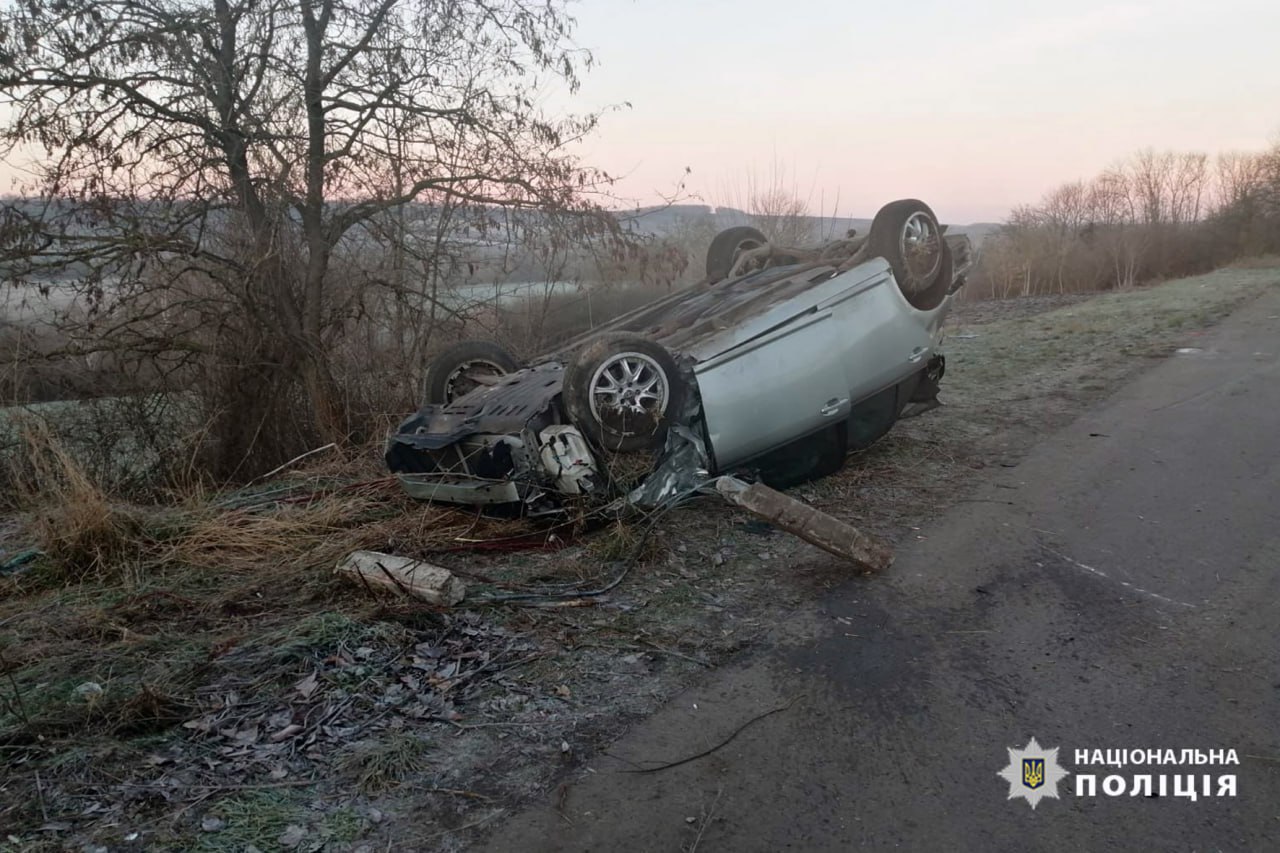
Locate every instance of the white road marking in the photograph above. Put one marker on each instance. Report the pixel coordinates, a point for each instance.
(1126, 584)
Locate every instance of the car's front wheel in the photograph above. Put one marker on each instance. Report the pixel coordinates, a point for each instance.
(463, 367)
(623, 390)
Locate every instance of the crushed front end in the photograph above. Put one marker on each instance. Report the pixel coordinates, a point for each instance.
(504, 446)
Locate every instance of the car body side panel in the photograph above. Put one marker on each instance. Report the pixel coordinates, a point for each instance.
(858, 337)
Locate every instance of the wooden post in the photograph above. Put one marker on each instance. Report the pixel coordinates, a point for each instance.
(871, 553)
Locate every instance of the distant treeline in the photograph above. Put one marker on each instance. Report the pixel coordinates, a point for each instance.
(1153, 216)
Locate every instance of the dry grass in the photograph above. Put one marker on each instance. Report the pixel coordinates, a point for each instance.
(81, 530)
(306, 537)
(626, 470)
(620, 540)
(306, 523)
(379, 766)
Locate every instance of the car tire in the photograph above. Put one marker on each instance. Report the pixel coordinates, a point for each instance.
(446, 370)
(907, 235)
(931, 297)
(725, 246)
(623, 390)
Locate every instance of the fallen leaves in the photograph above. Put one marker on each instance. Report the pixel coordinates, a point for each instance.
(308, 685)
(350, 693)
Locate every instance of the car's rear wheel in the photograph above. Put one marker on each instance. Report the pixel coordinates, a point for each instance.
(622, 390)
(463, 367)
(931, 297)
(907, 235)
(726, 246)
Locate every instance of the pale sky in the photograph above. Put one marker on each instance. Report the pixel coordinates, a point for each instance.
(974, 107)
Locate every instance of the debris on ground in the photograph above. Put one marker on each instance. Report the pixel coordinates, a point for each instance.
(403, 576)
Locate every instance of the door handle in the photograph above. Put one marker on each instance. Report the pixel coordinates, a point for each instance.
(916, 355)
(833, 406)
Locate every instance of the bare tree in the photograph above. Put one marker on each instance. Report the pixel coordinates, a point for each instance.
(1063, 213)
(1118, 206)
(1142, 218)
(1248, 193)
(1239, 175)
(1151, 215)
(1188, 187)
(772, 203)
(202, 171)
(782, 216)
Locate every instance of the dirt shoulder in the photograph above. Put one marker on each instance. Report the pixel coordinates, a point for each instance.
(240, 695)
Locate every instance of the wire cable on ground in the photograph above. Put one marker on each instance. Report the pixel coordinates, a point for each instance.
(555, 595)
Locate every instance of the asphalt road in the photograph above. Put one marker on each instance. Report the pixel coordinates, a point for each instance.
(1116, 590)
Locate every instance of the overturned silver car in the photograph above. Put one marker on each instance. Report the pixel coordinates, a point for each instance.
(779, 363)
